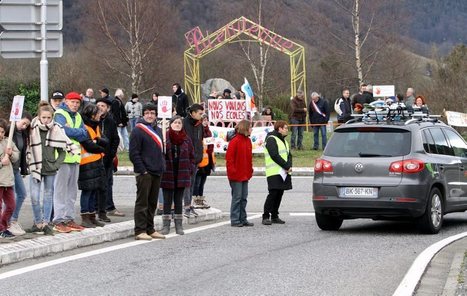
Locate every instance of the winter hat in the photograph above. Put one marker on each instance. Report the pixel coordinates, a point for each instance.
(73, 96)
(227, 91)
(104, 100)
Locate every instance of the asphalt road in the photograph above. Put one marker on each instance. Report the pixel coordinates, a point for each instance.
(363, 258)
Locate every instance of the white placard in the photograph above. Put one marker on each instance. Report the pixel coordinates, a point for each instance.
(226, 110)
(164, 107)
(257, 137)
(17, 108)
(383, 91)
(456, 118)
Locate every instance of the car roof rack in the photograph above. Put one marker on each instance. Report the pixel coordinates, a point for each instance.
(396, 113)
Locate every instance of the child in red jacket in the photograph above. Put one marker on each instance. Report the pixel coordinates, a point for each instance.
(239, 162)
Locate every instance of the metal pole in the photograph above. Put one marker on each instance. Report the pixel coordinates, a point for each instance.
(44, 64)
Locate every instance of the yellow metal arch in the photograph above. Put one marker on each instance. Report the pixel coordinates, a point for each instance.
(200, 46)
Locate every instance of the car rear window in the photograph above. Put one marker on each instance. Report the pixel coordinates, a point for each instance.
(369, 142)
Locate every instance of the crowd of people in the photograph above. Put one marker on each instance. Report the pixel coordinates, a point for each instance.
(71, 145)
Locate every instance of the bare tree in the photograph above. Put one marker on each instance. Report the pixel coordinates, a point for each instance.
(132, 30)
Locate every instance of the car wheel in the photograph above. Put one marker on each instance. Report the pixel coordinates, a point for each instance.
(327, 222)
(432, 221)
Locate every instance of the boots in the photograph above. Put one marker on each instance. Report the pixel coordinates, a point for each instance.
(94, 221)
(203, 203)
(103, 217)
(178, 224)
(166, 219)
(86, 221)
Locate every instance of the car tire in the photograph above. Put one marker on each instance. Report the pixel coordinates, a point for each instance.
(327, 222)
(432, 220)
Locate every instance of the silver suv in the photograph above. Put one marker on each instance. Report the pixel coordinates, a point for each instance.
(391, 169)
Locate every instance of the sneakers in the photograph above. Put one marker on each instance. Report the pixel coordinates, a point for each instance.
(157, 235)
(115, 213)
(200, 202)
(277, 221)
(247, 223)
(36, 230)
(143, 236)
(62, 228)
(6, 234)
(47, 230)
(74, 227)
(266, 222)
(16, 229)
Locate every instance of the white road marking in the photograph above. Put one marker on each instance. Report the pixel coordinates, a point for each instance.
(302, 214)
(35, 267)
(414, 274)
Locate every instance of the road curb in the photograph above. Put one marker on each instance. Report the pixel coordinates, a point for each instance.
(46, 245)
(221, 171)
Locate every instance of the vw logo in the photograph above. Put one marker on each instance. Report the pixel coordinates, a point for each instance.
(359, 167)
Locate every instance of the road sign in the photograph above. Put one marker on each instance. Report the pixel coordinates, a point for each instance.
(25, 15)
(16, 44)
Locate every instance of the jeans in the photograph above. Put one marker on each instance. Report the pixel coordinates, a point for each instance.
(20, 194)
(133, 123)
(109, 172)
(272, 203)
(123, 134)
(88, 201)
(239, 201)
(7, 199)
(65, 192)
(188, 193)
(147, 190)
(200, 180)
(297, 133)
(43, 214)
(316, 130)
(175, 196)
(160, 198)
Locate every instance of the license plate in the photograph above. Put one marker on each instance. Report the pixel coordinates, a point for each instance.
(359, 192)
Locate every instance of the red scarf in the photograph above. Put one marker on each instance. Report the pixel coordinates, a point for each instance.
(177, 138)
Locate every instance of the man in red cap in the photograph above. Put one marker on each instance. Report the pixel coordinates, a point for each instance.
(66, 180)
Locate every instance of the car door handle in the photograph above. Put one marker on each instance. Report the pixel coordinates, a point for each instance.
(441, 167)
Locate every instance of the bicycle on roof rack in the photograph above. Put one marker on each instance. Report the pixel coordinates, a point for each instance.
(394, 113)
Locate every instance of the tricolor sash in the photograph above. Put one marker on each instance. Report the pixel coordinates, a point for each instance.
(317, 109)
(152, 133)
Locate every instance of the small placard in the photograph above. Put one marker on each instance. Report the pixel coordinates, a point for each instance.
(17, 108)
(383, 91)
(164, 107)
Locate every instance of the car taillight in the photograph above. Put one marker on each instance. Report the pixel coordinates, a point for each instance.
(407, 166)
(322, 165)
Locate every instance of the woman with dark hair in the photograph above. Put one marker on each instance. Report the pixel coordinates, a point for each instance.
(20, 169)
(180, 166)
(92, 178)
(239, 163)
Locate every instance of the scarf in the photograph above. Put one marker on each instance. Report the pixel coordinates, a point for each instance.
(56, 138)
(177, 138)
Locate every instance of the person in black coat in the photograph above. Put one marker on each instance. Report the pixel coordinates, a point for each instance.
(277, 159)
(91, 170)
(109, 129)
(319, 113)
(179, 100)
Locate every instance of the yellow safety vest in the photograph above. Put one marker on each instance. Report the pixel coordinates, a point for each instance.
(272, 168)
(87, 157)
(69, 158)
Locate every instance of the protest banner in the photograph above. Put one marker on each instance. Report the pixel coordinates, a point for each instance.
(226, 110)
(257, 137)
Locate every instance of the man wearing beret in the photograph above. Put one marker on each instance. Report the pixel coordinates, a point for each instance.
(66, 180)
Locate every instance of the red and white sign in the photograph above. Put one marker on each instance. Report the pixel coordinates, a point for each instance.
(383, 91)
(17, 108)
(226, 110)
(164, 107)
